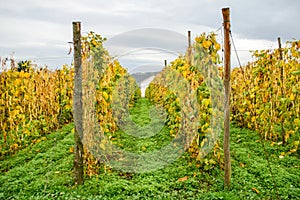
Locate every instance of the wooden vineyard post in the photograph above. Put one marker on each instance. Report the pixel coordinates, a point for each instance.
(77, 105)
(282, 90)
(189, 48)
(189, 39)
(226, 24)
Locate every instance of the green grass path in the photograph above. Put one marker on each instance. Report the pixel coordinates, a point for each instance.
(44, 170)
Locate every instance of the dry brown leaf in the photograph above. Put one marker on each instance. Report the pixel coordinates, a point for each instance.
(183, 179)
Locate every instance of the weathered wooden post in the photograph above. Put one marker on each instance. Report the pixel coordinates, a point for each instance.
(189, 48)
(77, 105)
(282, 90)
(226, 24)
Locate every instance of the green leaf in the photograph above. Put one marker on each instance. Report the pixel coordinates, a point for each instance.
(296, 72)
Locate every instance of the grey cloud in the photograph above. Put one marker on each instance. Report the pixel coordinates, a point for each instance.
(165, 40)
(266, 19)
(147, 68)
(53, 56)
(252, 19)
(31, 21)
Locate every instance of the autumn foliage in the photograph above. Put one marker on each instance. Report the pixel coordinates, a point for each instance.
(265, 94)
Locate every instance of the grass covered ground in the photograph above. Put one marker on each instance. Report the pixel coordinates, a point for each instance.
(44, 171)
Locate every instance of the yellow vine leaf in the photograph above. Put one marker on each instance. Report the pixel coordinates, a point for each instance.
(292, 97)
(102, 146)
(255, 190)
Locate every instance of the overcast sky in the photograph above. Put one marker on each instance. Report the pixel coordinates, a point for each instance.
(40, 30)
